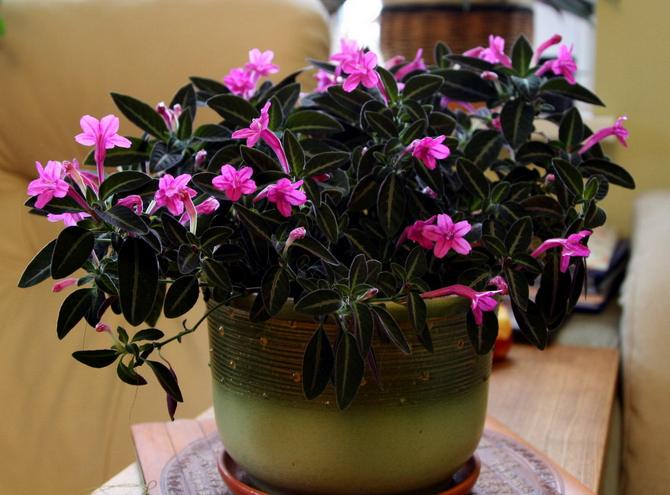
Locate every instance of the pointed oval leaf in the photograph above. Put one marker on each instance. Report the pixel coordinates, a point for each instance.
(181, 296)
(254, 222)
(123, 181)
(421, 86)
(518, 287)
(141, 114)
(167, 379)
(389, 82)
(74, 308)
(275, 289)
(569, 176)
(312, 121)
(571, 130)
(316, 248)
(532, 324)
(39, 268)
(561, 87)
(236, 111)
(124, 219)
(73, 247)
(328, 222)
(358, 271)
(522, 55)
(349, 370)
(614, 173)
(516, 119)
(319, 302)
(326, 162)
(417, 311)
(391, 328)
(96, 359)
(390, 205)
(519, 236)
(294, 152)
(217, 274)
(484, 147)
(364, 326)
(138, 279)
(473, 178)
(317, 364)
(466, 86)
(483, 337)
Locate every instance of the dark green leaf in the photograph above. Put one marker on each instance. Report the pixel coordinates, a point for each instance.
(466, 86)
(138, 279)
(532, 324)
(473, 178)
(294, 152)
(391, 328)
(363, 195)
(275, 289)
(309, 121)
(358, 271)
(482, 337)
(317, 364)
(96, 359)
(212, 133)
(543, 205)
(349, 370)
(440, 54)
(414, 131)
(522, 54)
(417, 311)
(391, 205)
(166, 379)
(188, 258)
(553, 296)
(209, 86)
(181, 296)
(216, 274)
(123, 181)
(535, 152)
(571, 130)
(74, 308)
(389, 82)
(174, 231)
(141, 114)
(562, 87)
(319, 302)
(185, 127)
(416, 264)
(124, 219)
(518, 287)
(119, 157)
(614, 173)
(235, 110)
(519, 236)
(316, 248)
(148, 334)
(326, 162)
(185, 97)
(364, 326)
(128, 375)
(73, 247)
(39, 268)
(484, 147)
(516, 119)
(328, 222)
(421, 86)
(203, 181)
(442, 123)
(381, 124)
(254, 222)
(569, 176)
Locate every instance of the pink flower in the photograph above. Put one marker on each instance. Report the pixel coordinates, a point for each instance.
(496, 124)
(570, 247)
(175, 195)
(63, 284)
(487, 75)
(362, 70)
(260, 63)
(69, 219)
(429, 192)
(349, 51)
(50, 183)
(241, 82)
(82, 178)
(134, 202)
(494, 53)
(284, 194)
(207, 207)
(103, 327)
(479, 301)
(448, 235)
(564, 65)
(200, 158)
(103, 135)
(428, 150)
(235, 183)
(417, 233)
(324, 80)
(170, 115)
(554, 40)
(257, 130)
(416, 64)
(499, 283)
(297, 233)
(617, 130)
(394, 61)
(369, 294)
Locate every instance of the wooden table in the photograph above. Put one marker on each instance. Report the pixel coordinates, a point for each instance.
(559, 400)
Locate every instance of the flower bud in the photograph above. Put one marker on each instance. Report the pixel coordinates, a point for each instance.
(63, 284)
(200, 158)
(102, 327)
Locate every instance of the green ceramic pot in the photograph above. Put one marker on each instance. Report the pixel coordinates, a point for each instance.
(413, 432)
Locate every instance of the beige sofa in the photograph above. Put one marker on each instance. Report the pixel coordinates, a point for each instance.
(64, 428)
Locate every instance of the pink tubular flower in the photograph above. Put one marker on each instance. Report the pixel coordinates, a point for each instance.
(499, 283)
(362, 70)
(260, 63)
(428, 150)
(257, 130)
(170, 115)
(417, 233)
(564, 65)
(241, 82)
(324, 80)
(200, 158)
(103, 135)
(103, 327)
(487, 75)
(69, 219)
(81, 177)
(134, 202)
(570, 247)
(617, 130)
(394, 61)
(448, 235)
(294, 235)
(284, 194)
(235, 183)
(416, 64)
(63, 284)
(174, 194)
(50, 183)
(494, 53)
(479, 301)
(554, 40)
(207, 207)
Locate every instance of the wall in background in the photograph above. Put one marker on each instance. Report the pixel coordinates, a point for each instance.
(633, 77)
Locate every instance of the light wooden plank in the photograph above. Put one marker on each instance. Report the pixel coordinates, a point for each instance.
(155, 440)
(560, 401)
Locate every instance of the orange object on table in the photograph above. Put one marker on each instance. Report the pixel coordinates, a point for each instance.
(504, 340)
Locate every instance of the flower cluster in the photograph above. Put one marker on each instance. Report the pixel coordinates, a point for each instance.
(397, 184)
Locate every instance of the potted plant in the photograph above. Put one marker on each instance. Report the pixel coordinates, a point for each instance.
(352, 246)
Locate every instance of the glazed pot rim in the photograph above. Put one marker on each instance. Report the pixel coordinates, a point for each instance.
(436, 307)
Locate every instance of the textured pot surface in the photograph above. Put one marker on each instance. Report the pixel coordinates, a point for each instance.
(413, 431)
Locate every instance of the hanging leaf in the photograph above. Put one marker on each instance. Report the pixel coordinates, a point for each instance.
(516, 119)
(614, 173)
(167, 380)
(96, 359)
(217, 274)
(364, 326)
(181, 296)
(482, 337)
(518, 287)
(74, 308)
(39, 268)
(138, 279)
(275, 289)
(73, 247)
(317, 364)
(417, 311)
(391, 328)
(391, 205)
(319, 302)
(553, 296)
(532, 324)
(128, 375)
(561, 87)
(349, 370)
(141, 114)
